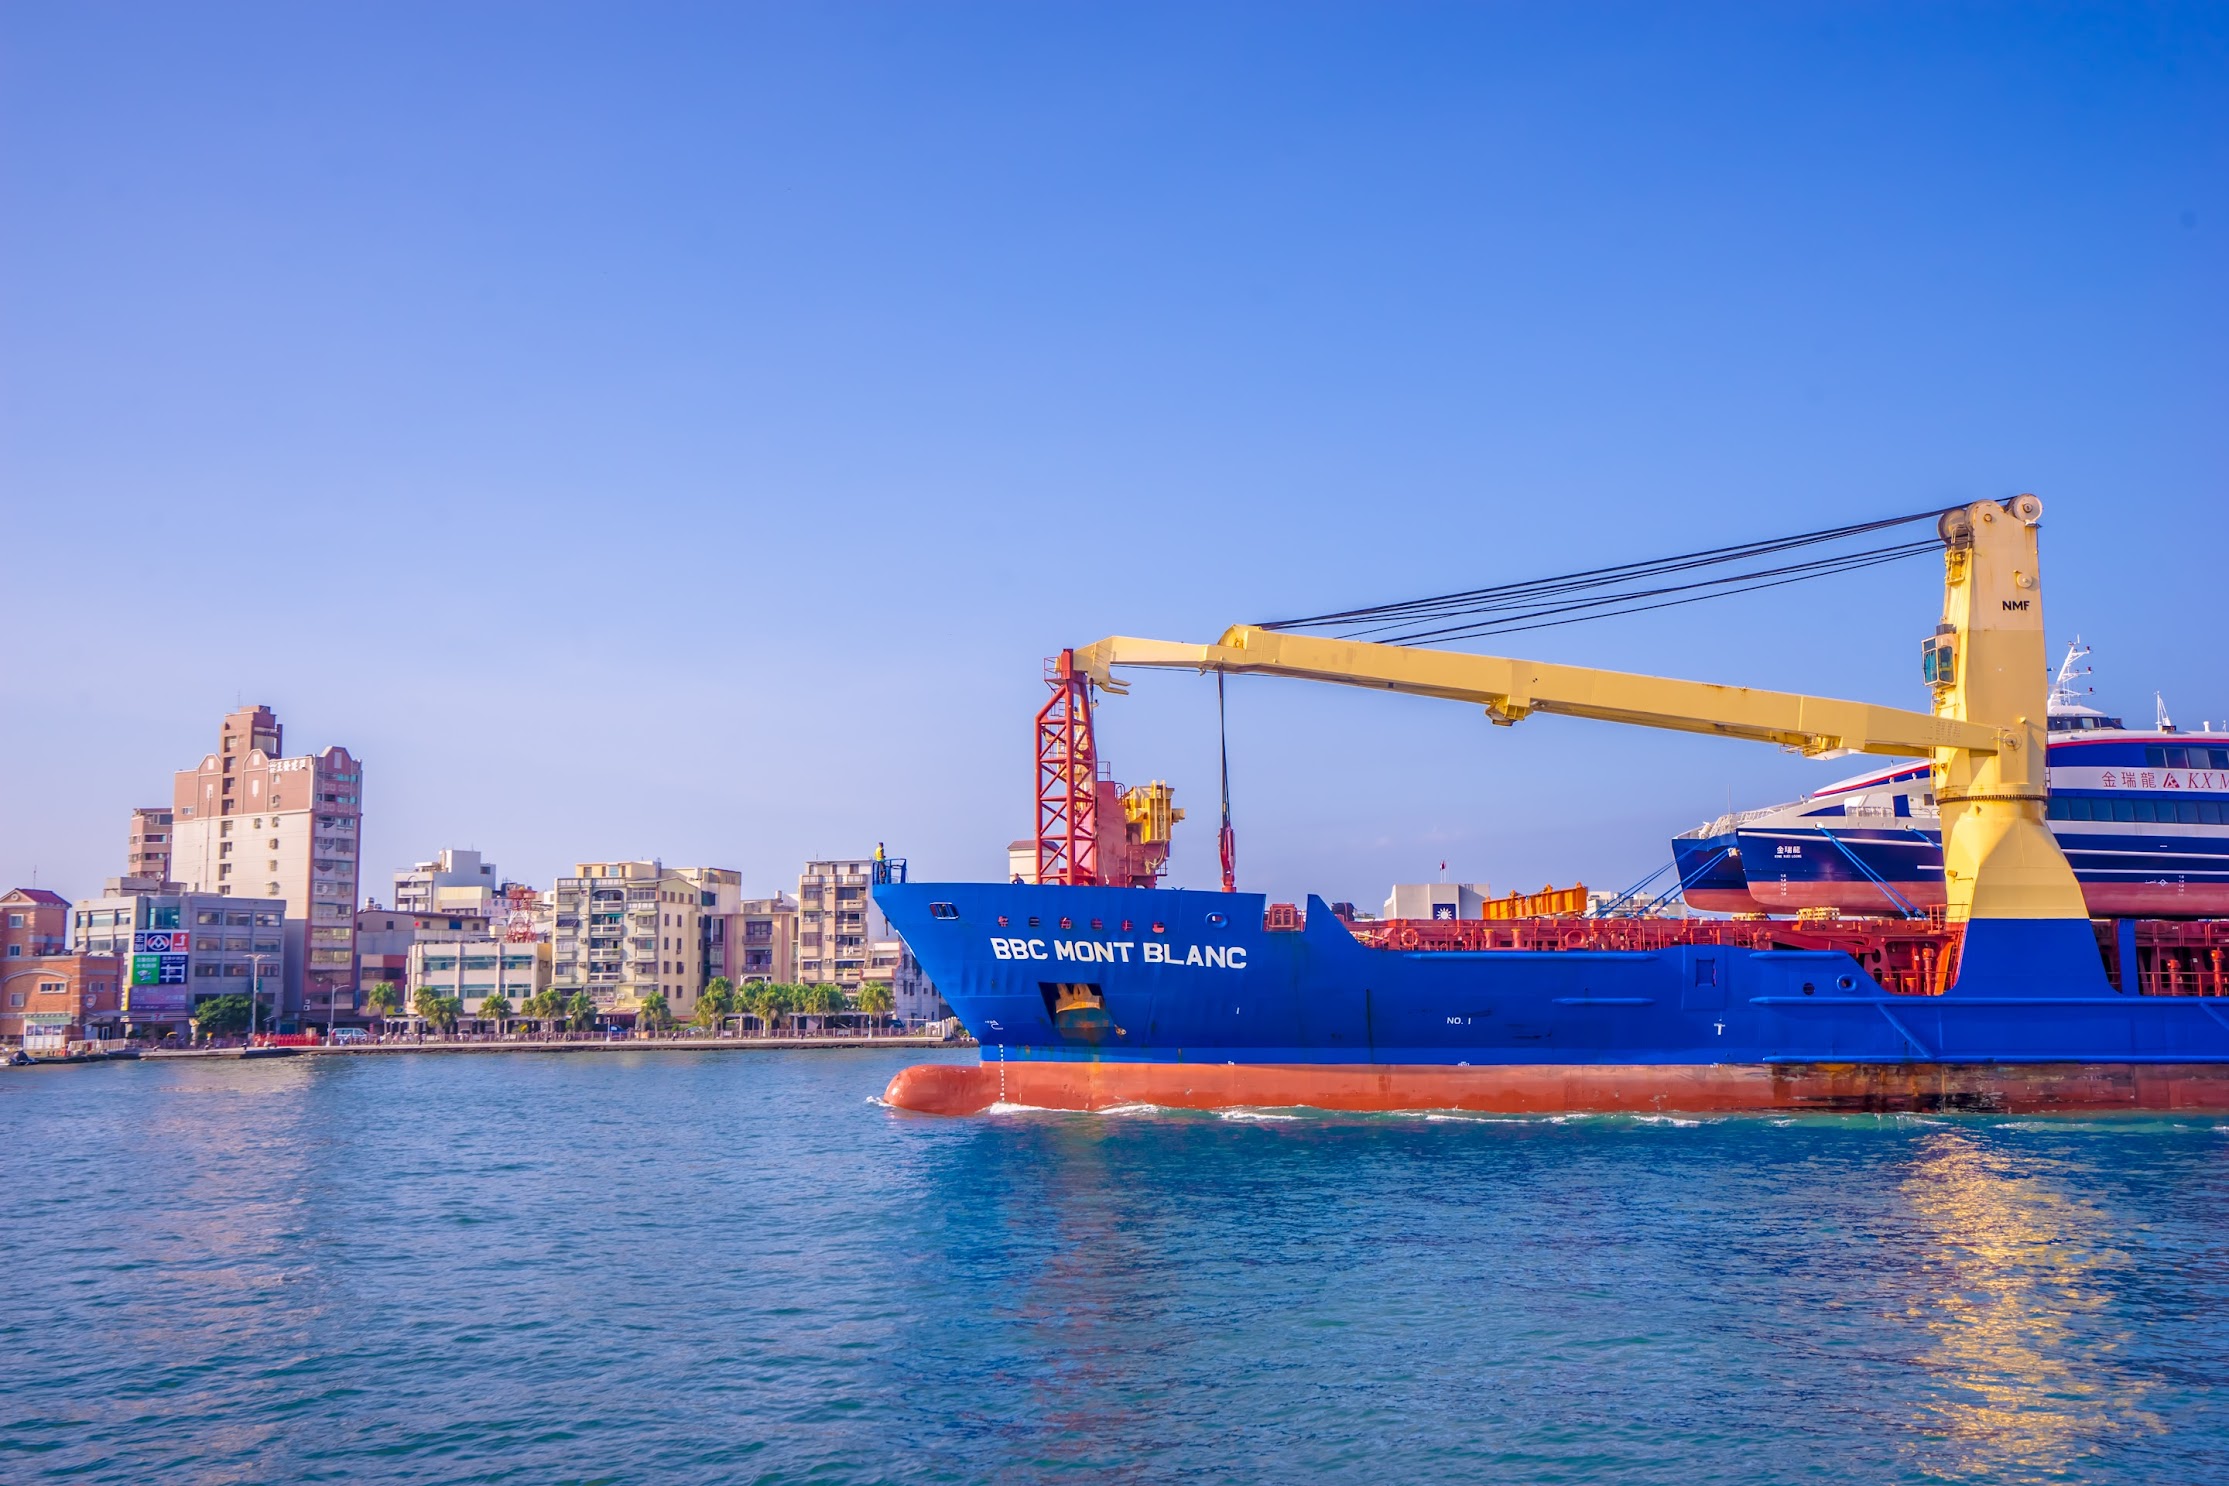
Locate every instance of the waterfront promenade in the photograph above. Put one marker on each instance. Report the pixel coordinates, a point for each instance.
(576, 1044)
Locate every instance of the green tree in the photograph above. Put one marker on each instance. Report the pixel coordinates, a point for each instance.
(496, 1008)
(580, 1011)
(822, 1001)
(437, 1010)
(782, 999)
(383, 1002)
(221, 1016)
(875, 1000)
(544, 1006)
(425, 1003)
(757, 1000)
(717, 1003)
(655, 1013)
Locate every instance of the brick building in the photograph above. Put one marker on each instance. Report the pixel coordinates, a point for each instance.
(50, 994)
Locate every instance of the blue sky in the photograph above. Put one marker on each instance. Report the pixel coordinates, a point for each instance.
(683, 431)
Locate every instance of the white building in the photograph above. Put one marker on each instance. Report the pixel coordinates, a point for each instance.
(453, 882)
(474, 969)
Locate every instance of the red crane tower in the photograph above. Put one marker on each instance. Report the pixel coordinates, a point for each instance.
(1090, 830)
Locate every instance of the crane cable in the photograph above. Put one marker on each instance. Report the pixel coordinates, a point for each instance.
(1601, 593)
(1226, 840)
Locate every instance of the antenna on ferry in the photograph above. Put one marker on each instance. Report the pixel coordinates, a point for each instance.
(2164, 723)
(2071, 670)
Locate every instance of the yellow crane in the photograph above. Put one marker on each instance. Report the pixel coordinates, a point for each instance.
(1985, 664)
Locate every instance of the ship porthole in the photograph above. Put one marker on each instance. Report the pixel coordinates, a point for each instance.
(1846, 983)
(1808, 988)
(1216, 920)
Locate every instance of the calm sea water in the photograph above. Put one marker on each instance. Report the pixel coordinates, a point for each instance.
(688, 1268)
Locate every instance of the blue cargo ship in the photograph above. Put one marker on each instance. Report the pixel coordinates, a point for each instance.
(1089, 997)
(1086, 994)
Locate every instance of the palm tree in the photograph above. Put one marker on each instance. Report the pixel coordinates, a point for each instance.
(655, 1013)
(383, 1002)
(425, 1005)
(875, 1000)
(496, 1007)
(717, 1003)
(824, 1001)
(580, 1011)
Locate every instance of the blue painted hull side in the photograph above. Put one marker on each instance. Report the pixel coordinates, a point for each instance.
(1222, 989)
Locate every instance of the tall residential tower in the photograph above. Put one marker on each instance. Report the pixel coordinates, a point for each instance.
(251, 822)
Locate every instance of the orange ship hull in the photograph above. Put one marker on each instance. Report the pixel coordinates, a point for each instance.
(962, 1089)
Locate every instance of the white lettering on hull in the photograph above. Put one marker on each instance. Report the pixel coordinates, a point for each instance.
(1119, 951)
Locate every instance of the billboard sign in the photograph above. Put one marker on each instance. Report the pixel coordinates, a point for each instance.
(156, 1000)
(162, 941)
(159, 970)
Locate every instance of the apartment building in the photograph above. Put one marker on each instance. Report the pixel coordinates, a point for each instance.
(384, 937)
(719, 897)
(836, 918)
(147, 849)
(453, 882)
(176, 948)
(762, 940)
(249, 821)
(474, 969)
(624, 929)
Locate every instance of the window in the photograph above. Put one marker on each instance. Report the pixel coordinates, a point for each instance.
(2187, 758)
(238, 920)
(206, 916)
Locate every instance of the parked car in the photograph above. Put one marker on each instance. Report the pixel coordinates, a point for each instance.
(348, 1035)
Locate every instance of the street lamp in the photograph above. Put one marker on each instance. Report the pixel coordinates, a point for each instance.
(255, 996)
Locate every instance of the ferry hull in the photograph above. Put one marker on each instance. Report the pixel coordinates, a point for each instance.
(1710, 873)
(965, 1089)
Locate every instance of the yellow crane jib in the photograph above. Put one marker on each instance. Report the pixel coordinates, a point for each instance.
(1986, 735)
